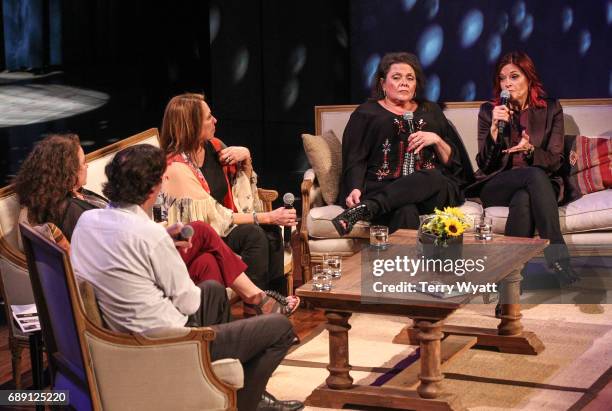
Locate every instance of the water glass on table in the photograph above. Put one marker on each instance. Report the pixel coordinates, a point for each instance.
(334, 263)
(379, 236)
(483, 228)
(321, 278)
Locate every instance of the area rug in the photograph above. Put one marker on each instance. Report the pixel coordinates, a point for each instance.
(578, 355)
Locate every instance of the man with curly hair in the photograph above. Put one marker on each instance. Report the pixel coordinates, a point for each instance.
(142, 283)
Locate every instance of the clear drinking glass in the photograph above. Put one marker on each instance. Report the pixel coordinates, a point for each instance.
(483, 228)
(379, 236)
(334, 263)
(321, 278)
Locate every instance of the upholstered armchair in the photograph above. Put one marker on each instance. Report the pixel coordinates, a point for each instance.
(160, 370)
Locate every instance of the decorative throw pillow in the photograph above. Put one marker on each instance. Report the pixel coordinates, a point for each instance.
(325, 157)
(588, 165)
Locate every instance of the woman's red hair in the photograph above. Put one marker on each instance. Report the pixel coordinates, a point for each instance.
(525, 64)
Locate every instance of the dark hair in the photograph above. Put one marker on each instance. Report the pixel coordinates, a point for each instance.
(182, 124)
(536, 93)
(46, 177)
(133, 173)
(398, 58)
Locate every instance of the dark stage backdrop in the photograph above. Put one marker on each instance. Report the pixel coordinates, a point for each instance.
(458, 43)
(271, 63)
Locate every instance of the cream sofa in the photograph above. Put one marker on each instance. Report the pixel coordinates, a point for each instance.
(586, 223)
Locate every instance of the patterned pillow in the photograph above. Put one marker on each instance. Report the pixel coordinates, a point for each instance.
(325, 156)
(588, 165)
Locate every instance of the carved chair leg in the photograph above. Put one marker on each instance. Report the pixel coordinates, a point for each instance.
(16, 351)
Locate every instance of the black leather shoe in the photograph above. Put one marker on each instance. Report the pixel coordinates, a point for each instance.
(269, 403)
(344, 222)
(565, 273)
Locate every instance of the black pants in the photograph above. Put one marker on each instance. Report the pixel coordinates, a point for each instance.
(401, 201)
(532, 203)
(261, 249)
(260, 343)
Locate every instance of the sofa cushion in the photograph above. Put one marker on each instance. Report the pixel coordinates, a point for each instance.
(341, 246)
(588, 165)
(320, 225)
(324, 153)
(592, 212)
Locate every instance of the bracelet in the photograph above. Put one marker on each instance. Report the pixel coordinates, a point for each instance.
(255, 218)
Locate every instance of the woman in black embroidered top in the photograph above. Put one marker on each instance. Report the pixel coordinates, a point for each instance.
(401, 157)
(518, 165)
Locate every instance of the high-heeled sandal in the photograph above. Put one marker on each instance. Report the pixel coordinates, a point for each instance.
(350, 217)
(272, 302)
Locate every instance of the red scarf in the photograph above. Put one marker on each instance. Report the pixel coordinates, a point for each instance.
(229, 171)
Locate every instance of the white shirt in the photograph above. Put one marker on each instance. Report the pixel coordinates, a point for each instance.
(140, 280)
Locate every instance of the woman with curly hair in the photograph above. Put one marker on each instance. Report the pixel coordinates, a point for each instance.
(49, 186)
(50, 183)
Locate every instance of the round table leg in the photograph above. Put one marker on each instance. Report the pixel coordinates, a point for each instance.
(429, 335)
(510, 295)
(338, 326)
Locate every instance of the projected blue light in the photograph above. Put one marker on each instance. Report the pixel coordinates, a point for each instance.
(297, 59)
(526, 28)
(429, 45)
(567, 18)
(369, 70)
(519, 10)
(240, 64)
(502, 23)
(609, 12)
(290, 93)
(494, 46)
(432, 88)
(214, 22)
(408, 4)
(432, 7)
(584, 42)
(610, 85)
(468, 91)
(471, 28)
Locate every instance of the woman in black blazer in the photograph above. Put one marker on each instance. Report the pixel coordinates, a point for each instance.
(520, 147)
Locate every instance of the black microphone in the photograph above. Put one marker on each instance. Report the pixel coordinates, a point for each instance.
(504, 96)
(186, 233)
(409, 158)
(157, 210)
(288, 200)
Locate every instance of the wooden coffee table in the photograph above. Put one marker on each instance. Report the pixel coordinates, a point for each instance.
(505, 258)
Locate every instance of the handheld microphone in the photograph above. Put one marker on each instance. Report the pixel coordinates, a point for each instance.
(157, 210)
(504, 97)
(288, 200)
(409, 158)
(186, 233)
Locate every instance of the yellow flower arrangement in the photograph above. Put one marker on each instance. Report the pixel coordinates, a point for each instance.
(444, 224)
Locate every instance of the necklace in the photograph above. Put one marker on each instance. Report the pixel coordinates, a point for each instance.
(394, 108)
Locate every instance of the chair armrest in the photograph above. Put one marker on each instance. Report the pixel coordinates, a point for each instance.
(267, 197)
(306, 185)
(230, 371)
(161, 369)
